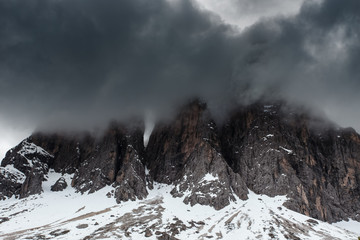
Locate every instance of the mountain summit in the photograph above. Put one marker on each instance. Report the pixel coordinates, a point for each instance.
(261, 149)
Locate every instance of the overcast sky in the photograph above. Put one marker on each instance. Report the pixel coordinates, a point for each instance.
(79, 63)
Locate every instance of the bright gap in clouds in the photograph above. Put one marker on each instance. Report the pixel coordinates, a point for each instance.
(10, 136)
(244, 13)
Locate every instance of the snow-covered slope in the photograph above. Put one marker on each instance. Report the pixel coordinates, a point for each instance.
(70, 215)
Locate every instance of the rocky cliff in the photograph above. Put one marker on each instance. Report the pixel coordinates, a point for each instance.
(266, 148)
(187, 153)
(281, 152)
(114, 158)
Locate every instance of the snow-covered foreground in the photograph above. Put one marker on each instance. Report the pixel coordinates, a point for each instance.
(70, 215)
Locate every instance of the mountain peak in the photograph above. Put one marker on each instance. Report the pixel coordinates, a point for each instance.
(259, 149)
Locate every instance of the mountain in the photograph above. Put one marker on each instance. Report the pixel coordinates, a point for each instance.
(279, 152)
(255, 173)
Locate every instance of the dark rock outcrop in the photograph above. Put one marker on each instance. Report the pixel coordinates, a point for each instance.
(269, 149)
(30, 160)
(187, 153)
(64, 148)
(32, 184)
(130, 181)
(11, 180)
(114, 158)
(59, 185)
(98, 162)
(281, 152)
(28, 157)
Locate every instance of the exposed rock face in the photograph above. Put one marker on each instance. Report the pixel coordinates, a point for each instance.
(59, 185)
(98, 162)
(260, 147)
(64, 148)
(280, 152)
(187, 153)
(11, 180)
(32, 184)
(131, 178)
(30, 160)
(28, 157)
(115, 158)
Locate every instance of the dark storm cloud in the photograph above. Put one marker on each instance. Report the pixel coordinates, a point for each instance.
(311, 58)
(104, 59)
(85, 61)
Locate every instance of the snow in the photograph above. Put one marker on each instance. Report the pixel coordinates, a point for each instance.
(77, 149)
(267, 108)
(28, 149)
(209, 178)
(31, 148)
(350, 225)
(259, 217)
(268, 136)
(271, 149)
(286, 150)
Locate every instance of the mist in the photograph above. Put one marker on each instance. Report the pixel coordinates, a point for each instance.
(79, 64)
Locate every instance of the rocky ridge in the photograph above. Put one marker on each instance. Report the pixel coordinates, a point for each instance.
(281, 152)
(265, 148)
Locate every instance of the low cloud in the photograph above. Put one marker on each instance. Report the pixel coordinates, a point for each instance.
(80, 64)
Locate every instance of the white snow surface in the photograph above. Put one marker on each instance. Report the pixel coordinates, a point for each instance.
(70, 215)
(31, 148)
(351, 225)
(286, 150)
(209, 178)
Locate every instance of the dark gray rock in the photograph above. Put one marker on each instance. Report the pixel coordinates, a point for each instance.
(4, 219)
(148, 233)
(28, 157)
(116, 158)
(130, 180)
(65, 148)
(99, 162)
(59, 232)
(281, 151)
(165, 236)
(32, 184)
(30, 161)
(270, 149)
(10, 182)
(59, 185)
(82, 226)
(187, 152)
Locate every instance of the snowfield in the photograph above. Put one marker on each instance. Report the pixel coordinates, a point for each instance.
(70, 215)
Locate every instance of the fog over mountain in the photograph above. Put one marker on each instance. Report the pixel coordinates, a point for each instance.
(79, 64)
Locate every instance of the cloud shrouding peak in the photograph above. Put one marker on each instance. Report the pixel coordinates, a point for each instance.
(81, 63)
(244, 13)
(85, 60)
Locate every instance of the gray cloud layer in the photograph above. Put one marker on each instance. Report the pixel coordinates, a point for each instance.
(83, 62)
(244, 13)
